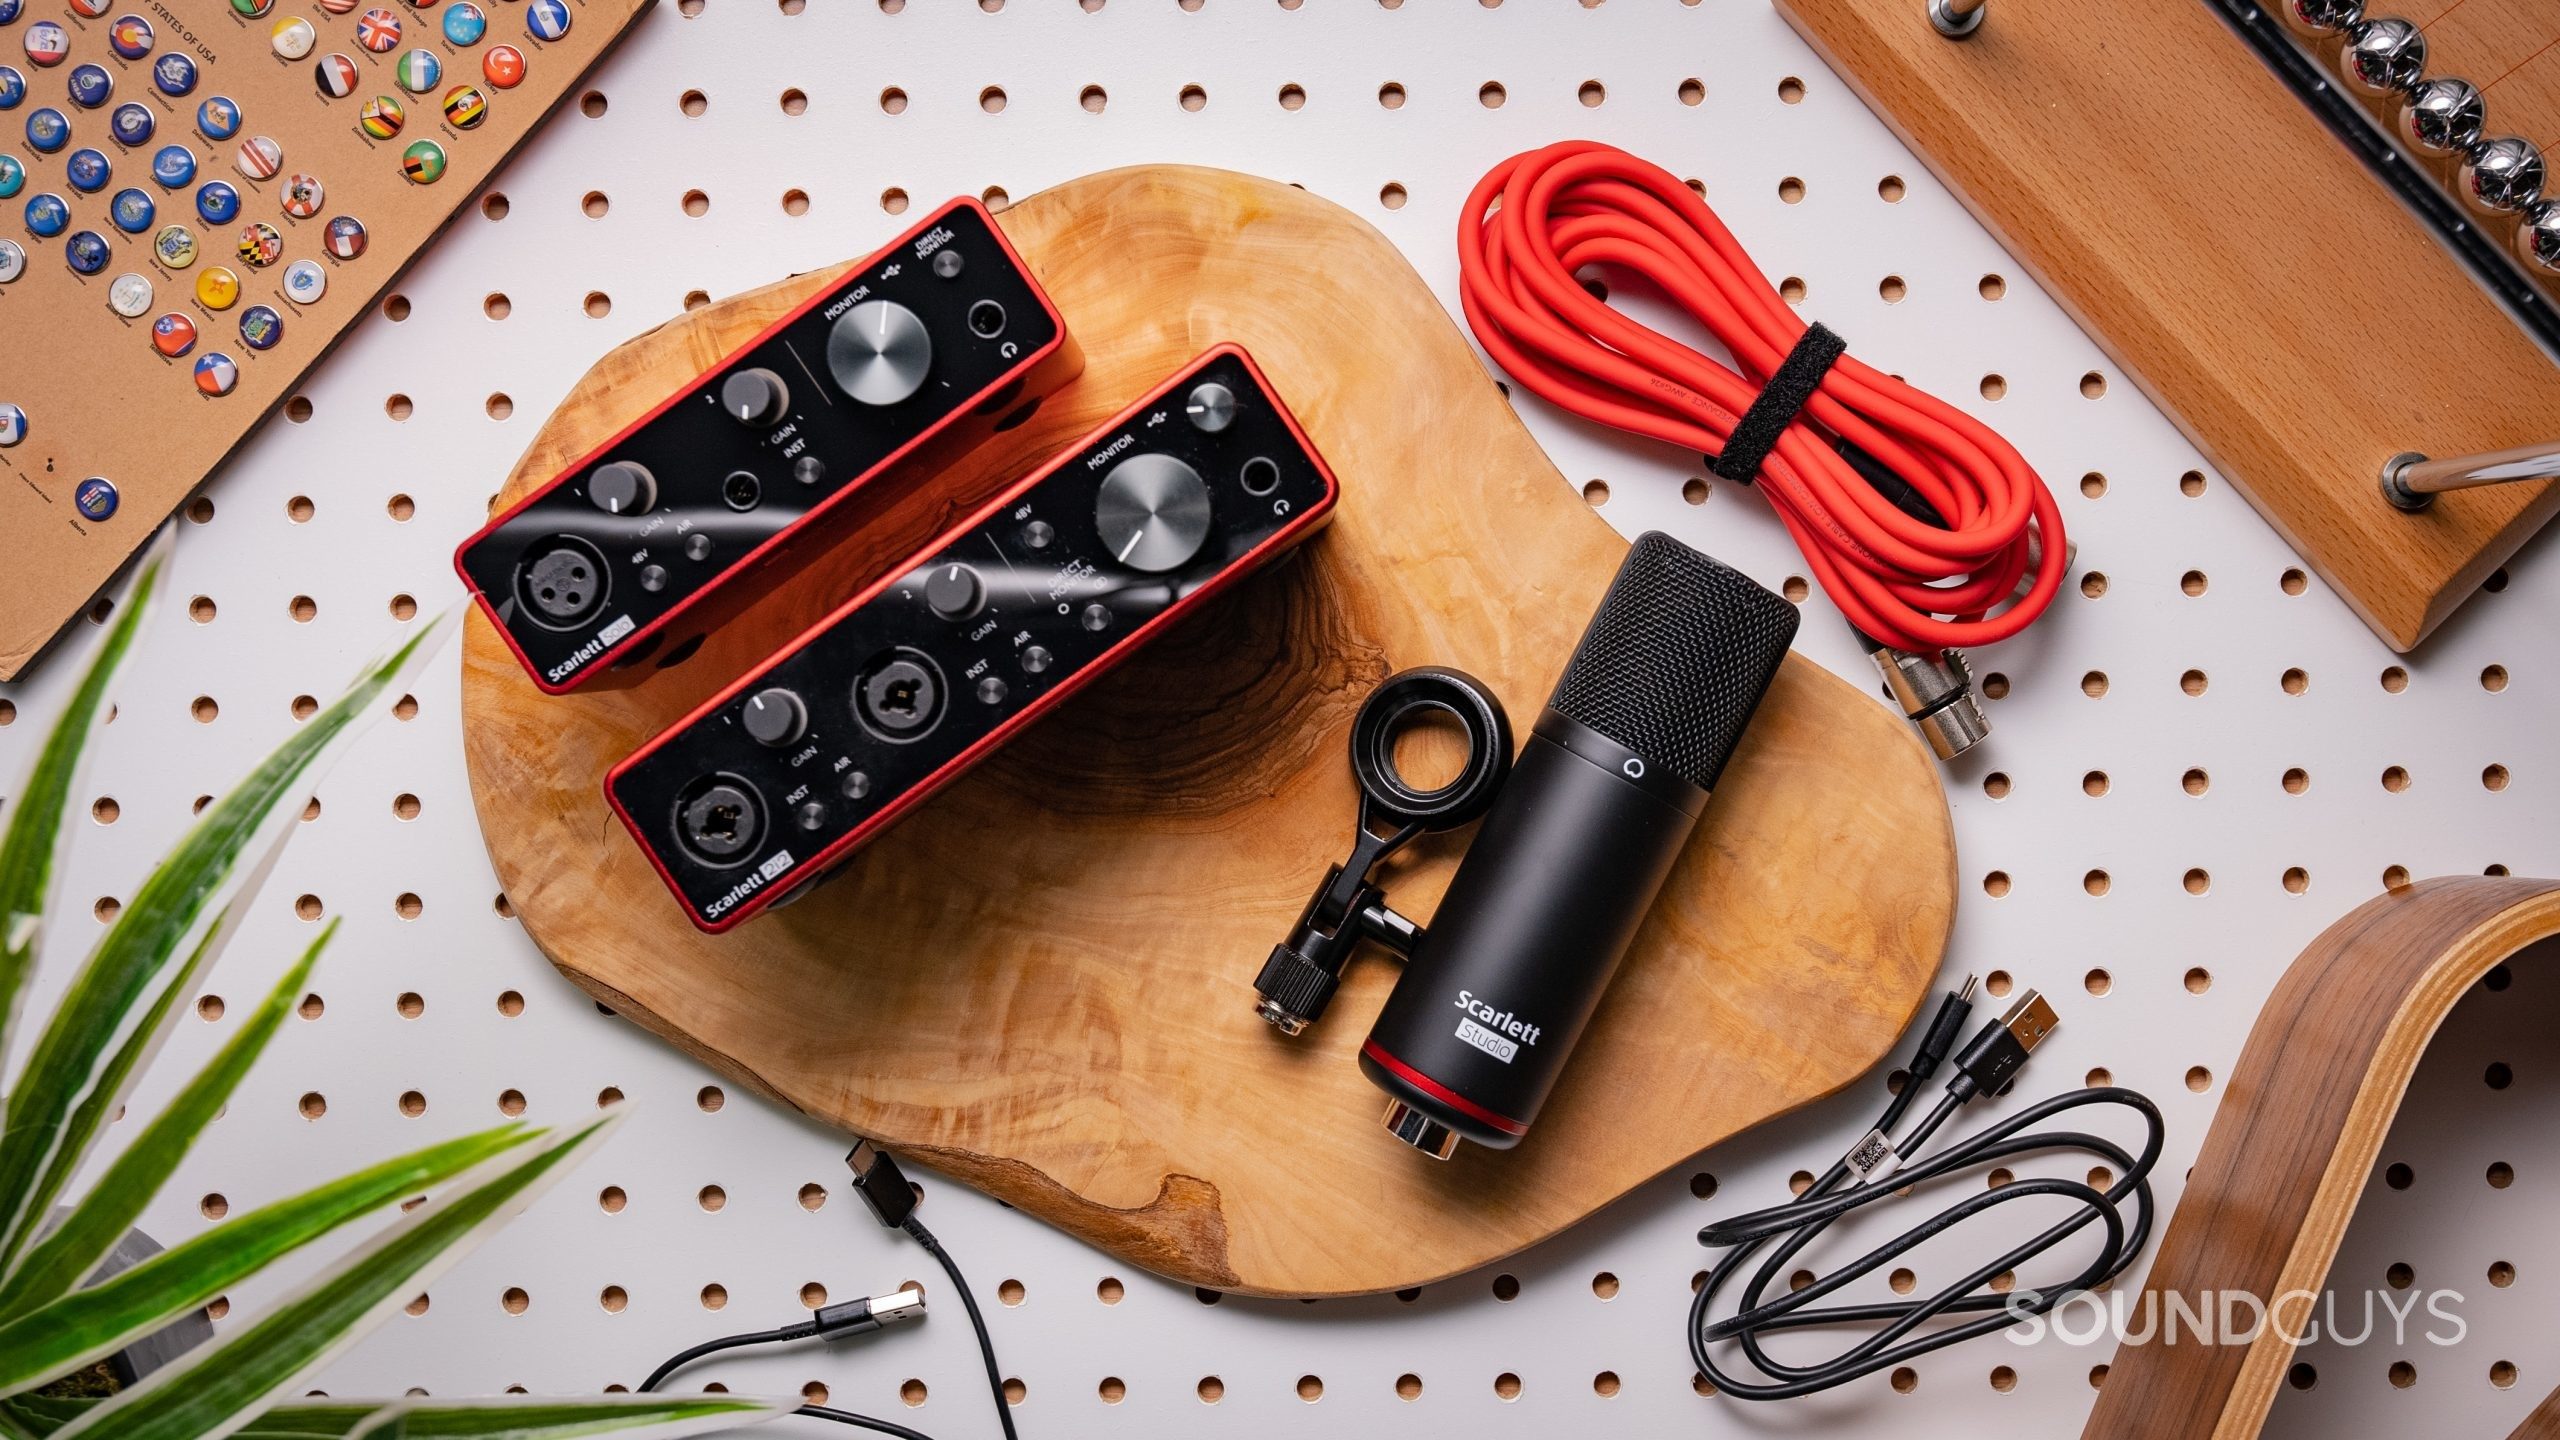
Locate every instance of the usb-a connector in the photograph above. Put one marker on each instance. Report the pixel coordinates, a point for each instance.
(1997, 1053)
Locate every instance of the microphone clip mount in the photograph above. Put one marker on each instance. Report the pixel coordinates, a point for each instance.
(1298, 980)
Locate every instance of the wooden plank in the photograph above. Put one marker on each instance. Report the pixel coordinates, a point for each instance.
(1041, 982)
(2294, 1142)
(2267, 293)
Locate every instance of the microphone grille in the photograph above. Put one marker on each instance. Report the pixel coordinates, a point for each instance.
(1676, 658)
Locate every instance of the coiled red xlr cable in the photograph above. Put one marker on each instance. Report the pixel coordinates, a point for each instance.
(1907, 582)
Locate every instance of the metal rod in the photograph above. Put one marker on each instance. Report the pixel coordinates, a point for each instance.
(2411, 481)
(1956, 19)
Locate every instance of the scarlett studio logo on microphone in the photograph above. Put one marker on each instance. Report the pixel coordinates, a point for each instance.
(1498, 1033)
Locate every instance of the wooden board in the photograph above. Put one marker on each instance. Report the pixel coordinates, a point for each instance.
(2238, 263)
(1041, 982)
(125, 413)
(2294, 1142)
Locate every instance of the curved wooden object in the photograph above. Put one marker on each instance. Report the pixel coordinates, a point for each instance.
(1041, 982)
(2295, 1139)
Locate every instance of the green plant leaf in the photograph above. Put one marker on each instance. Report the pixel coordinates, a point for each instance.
(509, 1417)
(42, 803)
(218, 1388)
(87, 1325)
(75, 1247)
(96, 1044)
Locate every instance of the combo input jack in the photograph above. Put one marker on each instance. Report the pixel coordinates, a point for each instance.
(720, 819)
(741, 490)
(900, 695)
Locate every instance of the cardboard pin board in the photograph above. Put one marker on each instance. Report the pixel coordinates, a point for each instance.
(201, 196)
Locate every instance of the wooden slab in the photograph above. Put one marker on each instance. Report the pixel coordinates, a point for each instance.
(125, 414)
(2236, 261)
(2293, 1145)
(1041, 982)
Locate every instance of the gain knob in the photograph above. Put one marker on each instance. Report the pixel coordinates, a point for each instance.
(1153, 512)
(755, 398)
(775, 717)
(623, 488)
(955, 591)
(879, 352)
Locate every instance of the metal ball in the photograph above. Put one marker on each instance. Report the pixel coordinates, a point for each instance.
(2317, 19)
(2538, 240)
(2442, 117)
(2383, 56)
(2500, 176)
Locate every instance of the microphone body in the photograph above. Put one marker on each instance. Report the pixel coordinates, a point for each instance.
(1556, 884)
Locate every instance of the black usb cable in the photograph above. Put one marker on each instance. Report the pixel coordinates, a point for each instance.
(892, 1198)
(1881, 1168)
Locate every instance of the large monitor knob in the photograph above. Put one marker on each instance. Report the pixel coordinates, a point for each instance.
(879, 352)
(1153, 512)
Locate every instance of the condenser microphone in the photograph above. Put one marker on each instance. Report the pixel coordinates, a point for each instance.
(1602, 797)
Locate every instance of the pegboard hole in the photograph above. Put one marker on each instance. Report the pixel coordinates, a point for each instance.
(2099, 1077)
(2395, 779)
(813, 1196)
(1605, 1384)
(1892, 288)
(2496, 584)
(711, 1198)
(401, 508)
(2096, 882)
(1991, 287)
(496, 306)
(1010, 1292)
(894, 200)
(2199, 980)
(613, 1299)
(515, 1301)
(1791, 289)
(2094, 684)
(1996, 785)
(612, 1198)
(1998, 984)
(305, 706)
(609, 1096)
(2003, 1379)
(1791, 91)
(411, 1005)
(2294, 681)
(595, 204)
(2296, 780)
(696, 299)
(1994, 386)
(1795, 588)
(303, 609)
(2094, 584)
(1791, 190)
(2395, 877)
(693, 102)
(1592, 94)
(2494, 777)
(1113, 1389)
(813, 1296)
(308, 907)
(2092, 385)
(1902, 1280)
(1293, 97)
(2399, 1275)
(1110, 1291)
(2399, 1176)
(2494, 679)
(795, 102)
(2195, 781)
(1702, 1185)
(408, 905)
(1507, 1386)
(1694, 490)
(1391, 95)
(2302, 1376)
(412, 1104)
(992, 100)
(1194, 98)
(1996, 884)
(2403, 1374)
(2192, 584)
(510, 1004)
(715, 1296)
(2293, 582)
(1800, 1182)
(2501, 1175)
(1891, 189)
(2197, 881)
(2193, 682)
(1014, 1390)
(200, 510)
(107, 908)
(1311, 1388)
(510, 1103)
(2191, 484)
(2502, 1374)
(696, 203)
(795, 202)
(1905, 1380)
(2093, 485)
(209, 1007)
(1392, 195)
(1506, 1287)
(1093, 98)
(313, 1105)
(709, 1099)
(2199, 1079)
(2097, 982)
(2501, 1274)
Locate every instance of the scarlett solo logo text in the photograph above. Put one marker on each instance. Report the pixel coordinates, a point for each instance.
(2237, 1317)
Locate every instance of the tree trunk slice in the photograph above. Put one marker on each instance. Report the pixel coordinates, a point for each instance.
(1040, 983)
(2295, 1140)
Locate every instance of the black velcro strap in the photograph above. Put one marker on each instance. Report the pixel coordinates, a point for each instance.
(1770, 415)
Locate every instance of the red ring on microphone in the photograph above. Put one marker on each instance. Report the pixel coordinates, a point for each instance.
(1442, 1093)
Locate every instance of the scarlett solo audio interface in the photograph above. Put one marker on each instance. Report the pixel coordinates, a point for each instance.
(642, 547)
(917, 678)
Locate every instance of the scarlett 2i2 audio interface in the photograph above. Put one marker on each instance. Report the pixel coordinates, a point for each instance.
(985, 630)
(645, 545)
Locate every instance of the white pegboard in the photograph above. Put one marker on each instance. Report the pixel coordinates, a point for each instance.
(774, 121)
